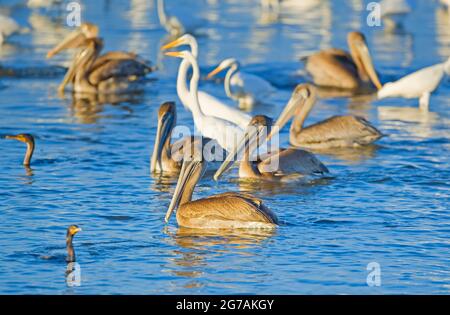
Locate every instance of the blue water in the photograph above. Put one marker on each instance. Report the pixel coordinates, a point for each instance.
(387, 204)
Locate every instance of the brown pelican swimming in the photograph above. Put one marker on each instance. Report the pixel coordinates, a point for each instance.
(276, 165)
(29, 140)
(167, 157)
(338, 68)
(113, 72)
(223, 211)
(337, 131)
(161, 160)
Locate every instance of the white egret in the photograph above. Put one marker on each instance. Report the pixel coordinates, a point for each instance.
(210, 105)
(171, 23)
(245, 88)
(419, 84)
(224, 132)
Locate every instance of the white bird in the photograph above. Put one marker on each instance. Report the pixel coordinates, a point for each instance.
(171, 23)
(210, 105)
(245, 88)
(8, 26)
(224, 132)
(419, 84)
(393, 12)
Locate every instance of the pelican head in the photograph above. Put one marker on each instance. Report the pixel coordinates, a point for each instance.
(361, 56)
(166, 121)
(76, 38)
(302, 99)
(193, 168)
(258, 129)
(227, 63)
(186, 39)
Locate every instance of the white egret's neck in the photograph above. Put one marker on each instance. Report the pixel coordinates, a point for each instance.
(196, 110)
(182, 88)
(194, 46)
(233, 70)
(161, 12)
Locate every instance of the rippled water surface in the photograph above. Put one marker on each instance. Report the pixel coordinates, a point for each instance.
(387, 203)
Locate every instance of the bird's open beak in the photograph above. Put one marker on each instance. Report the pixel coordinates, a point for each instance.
(175, 43)
(78, 230)
(162, 133)
(73, 40)
(214, 72)
(188, 169)
(366, 60)
(249, 136)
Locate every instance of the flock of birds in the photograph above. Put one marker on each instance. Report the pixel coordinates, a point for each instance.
(228, 129)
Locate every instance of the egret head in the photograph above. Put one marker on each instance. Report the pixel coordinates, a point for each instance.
(225, 64)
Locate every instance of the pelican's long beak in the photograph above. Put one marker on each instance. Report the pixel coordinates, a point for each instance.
(289, 110)
(249, 136)
(73, 40)
(162, 132)
(70, 74)
(188, 169)
(366, 60)
(175, 43)
(215, 71)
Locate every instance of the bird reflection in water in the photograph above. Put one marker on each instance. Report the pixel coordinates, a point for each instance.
(351, 155)
(198, 246)
(87, 108)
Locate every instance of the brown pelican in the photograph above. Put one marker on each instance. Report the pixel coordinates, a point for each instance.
(276, 165)
(71, 231)
(337, 131)
(167, 157)
(113, 72)
(337, 68)
(223, 211)
(161, 160)
(29, 140)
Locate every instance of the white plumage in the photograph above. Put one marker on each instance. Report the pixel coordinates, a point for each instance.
(210, 105)
(245, 88)
(419, 84)
(394, 7)
(224, 132)
(8, 26)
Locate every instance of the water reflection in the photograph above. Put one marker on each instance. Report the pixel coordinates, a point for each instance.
(396, 47)
(351, 155)
(73, 274)
(87, 108)
(443, 32)
(199, 246)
